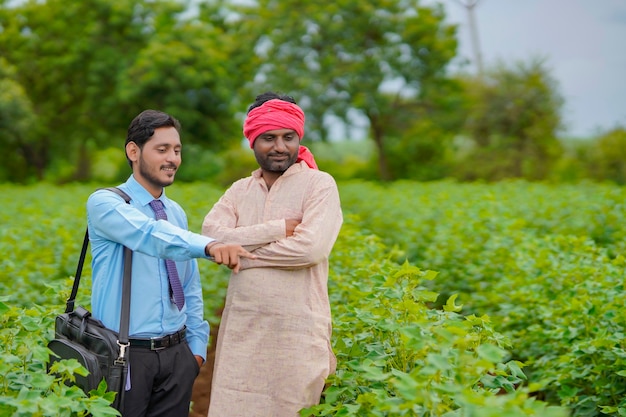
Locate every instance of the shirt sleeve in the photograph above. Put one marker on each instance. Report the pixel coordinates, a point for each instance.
(111, 218)
(221, 224)
(313, 238)
(197, 328)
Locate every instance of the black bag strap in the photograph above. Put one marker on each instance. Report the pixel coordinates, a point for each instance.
(69, 305)
(125, 310)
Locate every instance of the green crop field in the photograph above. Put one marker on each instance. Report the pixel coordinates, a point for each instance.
(449, 300)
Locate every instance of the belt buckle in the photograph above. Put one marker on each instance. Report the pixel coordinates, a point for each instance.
(153, 340)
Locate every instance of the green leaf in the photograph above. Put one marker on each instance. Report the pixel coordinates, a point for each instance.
(3, 308)
(406, 386)
(451, 306)
(492, 353)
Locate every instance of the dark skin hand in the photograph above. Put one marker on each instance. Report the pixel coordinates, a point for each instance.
(290, 226)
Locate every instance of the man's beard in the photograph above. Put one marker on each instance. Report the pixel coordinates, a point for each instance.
(269, 165)
(145, 173)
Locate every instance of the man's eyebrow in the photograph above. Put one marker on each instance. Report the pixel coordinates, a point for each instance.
(167, 144)
(288, 131)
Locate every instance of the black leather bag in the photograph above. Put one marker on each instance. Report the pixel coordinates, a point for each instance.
(100, 350)
(81, 337)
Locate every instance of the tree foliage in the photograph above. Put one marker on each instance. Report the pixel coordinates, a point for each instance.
(184, 69)
(370, 57)
(512, 122)
(419, 137)
(69, 55)
(73, 74)
(606, 157)
(16, 118)
(89, 66)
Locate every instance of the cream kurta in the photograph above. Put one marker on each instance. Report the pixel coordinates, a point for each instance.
(273, 348)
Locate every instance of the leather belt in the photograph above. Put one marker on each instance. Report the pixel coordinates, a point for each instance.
(158, 343)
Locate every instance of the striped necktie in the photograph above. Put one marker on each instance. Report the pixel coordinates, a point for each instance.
(175, 287)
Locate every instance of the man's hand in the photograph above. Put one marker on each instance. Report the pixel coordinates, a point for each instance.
(199, 360)
(228, 255)
(290, 226)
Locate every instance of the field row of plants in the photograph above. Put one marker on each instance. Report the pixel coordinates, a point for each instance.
(451, 300)
(544, 262)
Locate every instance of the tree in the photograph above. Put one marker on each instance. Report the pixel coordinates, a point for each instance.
(89, 66)
(369, 57)
(183, 71)
(512, 122)
(16, 119)
(607, 157)
(69, 55)
(420, 137)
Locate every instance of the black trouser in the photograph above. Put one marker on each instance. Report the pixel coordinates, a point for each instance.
(161, 381)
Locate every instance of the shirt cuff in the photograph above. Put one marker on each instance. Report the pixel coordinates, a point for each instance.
(197, 348)
(197, 245)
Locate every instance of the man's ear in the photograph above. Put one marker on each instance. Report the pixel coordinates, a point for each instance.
(132, 151)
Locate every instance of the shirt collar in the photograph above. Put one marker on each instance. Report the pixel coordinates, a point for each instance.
(141, 195)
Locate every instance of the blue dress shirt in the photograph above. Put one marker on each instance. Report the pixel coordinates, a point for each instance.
(114, 224)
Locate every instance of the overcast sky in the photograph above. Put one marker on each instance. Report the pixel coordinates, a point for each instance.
(583, 42)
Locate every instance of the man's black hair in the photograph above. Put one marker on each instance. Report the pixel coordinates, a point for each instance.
(270, 95)
(145, 123)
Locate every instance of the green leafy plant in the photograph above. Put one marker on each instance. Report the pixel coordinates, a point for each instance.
(521, 318)
(26, 389)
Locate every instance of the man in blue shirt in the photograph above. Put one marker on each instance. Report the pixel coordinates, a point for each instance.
(168, 335)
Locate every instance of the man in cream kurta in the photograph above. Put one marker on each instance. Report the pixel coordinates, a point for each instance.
(273, 348)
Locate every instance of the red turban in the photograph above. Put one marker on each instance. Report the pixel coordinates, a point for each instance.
(277, 114)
